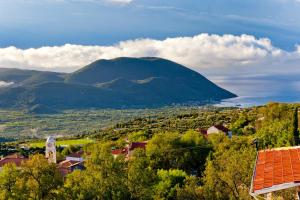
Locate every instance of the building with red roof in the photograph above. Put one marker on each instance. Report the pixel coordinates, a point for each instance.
(134, 145)
(68, 166)
(129, 149)
(202, 131)
(217, 129)
(14, 155)
(276, 169)
(16, 159)
(118, 152)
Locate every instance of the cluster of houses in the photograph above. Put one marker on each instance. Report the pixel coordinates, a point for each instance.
(16, 158)
(274, 170)
(130, 147)
(71, 162)
(76, 160)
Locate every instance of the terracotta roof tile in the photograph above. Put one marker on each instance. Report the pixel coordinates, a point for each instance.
(132, 146)
(16, 161)
(15, 155)
(64, 167)
(69, 163)
(276, 167)
(135, 145)
(119, 151)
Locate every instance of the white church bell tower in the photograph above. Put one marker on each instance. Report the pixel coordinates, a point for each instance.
(51, 150)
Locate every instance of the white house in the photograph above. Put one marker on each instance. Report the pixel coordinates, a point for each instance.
(218, 129)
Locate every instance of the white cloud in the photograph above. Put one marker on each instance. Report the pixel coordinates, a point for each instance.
(5, 84)
(202, 52)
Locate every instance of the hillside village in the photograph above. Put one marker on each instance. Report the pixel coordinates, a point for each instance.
(75, 160)
(149, 100)
(161, 163)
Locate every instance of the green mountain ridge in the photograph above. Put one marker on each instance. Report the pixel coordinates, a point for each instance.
(116, 83)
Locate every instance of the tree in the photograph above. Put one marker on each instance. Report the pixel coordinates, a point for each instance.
(105, 177)
(141, 178)
(229, 170)
(162, 150)
(279, 125)
(295, 125)
(276, 134)
(193, 138)
(276, 111)
(169, 182)
(79, 185)
(108, 174)
(243, 126)
(194, 151)
(11, 186)
(70, 149)
(41, 178)
(190, 190)
(138, 136)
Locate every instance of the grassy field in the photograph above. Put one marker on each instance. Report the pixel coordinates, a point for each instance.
(74, 142)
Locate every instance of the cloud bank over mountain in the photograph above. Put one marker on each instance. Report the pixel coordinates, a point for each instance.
(203, 52)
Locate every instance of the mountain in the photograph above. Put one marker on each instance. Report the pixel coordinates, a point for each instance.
(117, 83)
(26, 77)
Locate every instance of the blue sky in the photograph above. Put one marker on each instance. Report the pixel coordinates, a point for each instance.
(36, 23)
(243, 45)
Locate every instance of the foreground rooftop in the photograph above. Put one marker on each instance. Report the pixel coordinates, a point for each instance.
(276, 169)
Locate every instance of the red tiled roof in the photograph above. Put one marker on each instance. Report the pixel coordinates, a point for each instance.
(135, 145)
(64, 167)
(68, 163)
(15, 155)
(119, 151)
(276, 169)
(16, 161)
(129, 148)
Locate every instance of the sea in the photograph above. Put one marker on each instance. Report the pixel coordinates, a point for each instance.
(258, 90)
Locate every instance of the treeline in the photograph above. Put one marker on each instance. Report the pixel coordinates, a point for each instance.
(176, 122)
(278, 125)
(273, 125)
